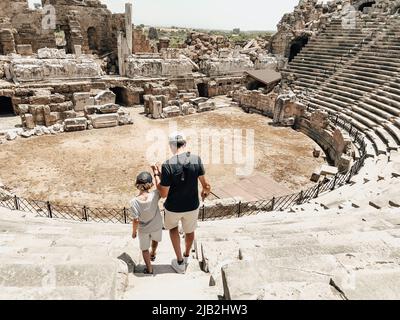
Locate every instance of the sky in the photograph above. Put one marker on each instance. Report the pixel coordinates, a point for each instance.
(207, 14)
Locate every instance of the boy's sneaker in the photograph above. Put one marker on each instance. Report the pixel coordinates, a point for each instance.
(179, 268)
(186, 260)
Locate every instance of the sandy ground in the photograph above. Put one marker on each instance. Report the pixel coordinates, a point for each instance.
(98, 167)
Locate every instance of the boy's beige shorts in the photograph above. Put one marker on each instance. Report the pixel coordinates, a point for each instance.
(188, 219)
(146, 238)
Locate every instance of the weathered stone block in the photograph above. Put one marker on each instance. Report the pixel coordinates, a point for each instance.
(76, 124)
(172, 111)
(104, 97)
(61, 107)
(206, 106)
(81, 100)
(104, 120)
(39, 100)
(108, 108)
(90, 110)
(70, 114)
(51, 119)
(24, 49)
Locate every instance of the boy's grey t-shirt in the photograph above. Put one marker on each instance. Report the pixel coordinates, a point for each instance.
(147, 212)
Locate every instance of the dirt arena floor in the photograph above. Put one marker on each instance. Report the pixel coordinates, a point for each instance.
(98, 167)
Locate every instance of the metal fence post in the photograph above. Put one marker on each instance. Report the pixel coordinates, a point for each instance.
(85, 215)
(49, 209)
(273, 204)
(334, 182)
(125, 216)
(239, 208)
(300, 200)
(318, 189)
(16, 203)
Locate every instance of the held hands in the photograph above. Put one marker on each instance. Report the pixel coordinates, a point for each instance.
(134, 234)
(156, 170)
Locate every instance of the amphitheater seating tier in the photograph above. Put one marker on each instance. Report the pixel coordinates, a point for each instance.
(355, 73)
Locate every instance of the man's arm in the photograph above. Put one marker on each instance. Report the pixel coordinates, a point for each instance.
(206, 187)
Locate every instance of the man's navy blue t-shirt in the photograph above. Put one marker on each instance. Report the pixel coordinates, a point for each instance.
(181, 174)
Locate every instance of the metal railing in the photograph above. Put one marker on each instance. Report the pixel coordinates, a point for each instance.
(215, 212)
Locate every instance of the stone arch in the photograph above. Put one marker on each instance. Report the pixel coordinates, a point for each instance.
(296, 45)
(6, 106)
(92, 38)
(122, 96)
(396, 8)
(363, 5)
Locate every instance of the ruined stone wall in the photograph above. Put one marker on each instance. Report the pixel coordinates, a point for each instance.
(224, 85)
(89, 24)
(157, 67)
(311, 16)
(335, 142)
(256, 101)
(141, 43)
(218, 66)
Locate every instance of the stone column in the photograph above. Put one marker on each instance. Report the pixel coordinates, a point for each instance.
(128, 26)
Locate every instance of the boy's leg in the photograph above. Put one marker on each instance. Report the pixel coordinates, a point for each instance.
(154, 246)
(146, 258)
(144, 239)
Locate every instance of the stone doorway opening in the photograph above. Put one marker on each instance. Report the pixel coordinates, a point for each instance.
(203, 90)
(92, 38)
(296, 46)
(6, 106)
(122, 96)
(366, 6)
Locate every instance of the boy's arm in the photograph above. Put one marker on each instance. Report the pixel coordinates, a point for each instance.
(135, 225)
(163, 190)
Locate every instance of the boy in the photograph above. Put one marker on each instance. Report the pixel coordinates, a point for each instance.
(147, 217)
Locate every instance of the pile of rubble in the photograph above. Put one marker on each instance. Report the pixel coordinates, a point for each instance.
(159, 107)
(49, 113)
(203, 44)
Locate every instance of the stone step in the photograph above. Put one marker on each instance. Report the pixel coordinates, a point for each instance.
(244, 280)
(356, 87)
(46, 293)
(338, 97)
(387, 138)
(372, 112)
(101, 278)
(384, 103)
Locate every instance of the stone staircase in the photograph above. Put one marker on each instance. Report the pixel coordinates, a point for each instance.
(51, 259)
(308, 253)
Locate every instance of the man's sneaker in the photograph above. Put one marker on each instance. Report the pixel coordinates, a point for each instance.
(179, 268)
(186, 260)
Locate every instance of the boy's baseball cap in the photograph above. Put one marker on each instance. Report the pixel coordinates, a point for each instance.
(177, 137)
(144, 177)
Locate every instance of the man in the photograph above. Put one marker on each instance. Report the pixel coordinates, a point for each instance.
(179, 184)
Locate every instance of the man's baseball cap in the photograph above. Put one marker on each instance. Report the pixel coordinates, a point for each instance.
(143, 178)
(177, 137)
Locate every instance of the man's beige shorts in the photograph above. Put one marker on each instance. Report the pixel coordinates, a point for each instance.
(146, 238)
(188, 219)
